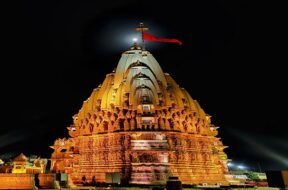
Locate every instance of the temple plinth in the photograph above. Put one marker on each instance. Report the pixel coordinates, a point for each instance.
(141, 124)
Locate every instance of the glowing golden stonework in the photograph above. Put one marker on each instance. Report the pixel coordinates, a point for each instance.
(140, 124)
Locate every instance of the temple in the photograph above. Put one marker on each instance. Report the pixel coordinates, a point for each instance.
(140, 125)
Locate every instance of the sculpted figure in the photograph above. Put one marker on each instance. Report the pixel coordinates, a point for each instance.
(132, 124)
(126, 125)
(162, 124)
(167, 125)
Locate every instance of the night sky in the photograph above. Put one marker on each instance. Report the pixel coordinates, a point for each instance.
(231, 61)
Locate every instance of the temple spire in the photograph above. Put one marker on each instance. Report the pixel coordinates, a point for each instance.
(142, 29)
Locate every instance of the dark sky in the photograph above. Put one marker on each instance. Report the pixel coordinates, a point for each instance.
(231, 61)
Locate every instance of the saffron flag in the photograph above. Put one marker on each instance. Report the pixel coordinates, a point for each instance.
(150, 37)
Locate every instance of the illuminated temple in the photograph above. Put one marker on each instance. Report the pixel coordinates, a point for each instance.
(141, 125)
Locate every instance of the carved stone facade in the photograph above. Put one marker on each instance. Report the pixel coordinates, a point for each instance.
(141, 124)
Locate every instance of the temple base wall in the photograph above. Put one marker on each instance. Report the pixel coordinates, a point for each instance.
(148, 158)
(16, 181)
(26, 181)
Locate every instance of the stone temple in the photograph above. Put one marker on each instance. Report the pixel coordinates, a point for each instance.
(140, 125)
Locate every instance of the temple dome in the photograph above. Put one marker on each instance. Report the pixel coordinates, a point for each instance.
(139, 79)
(20, 158)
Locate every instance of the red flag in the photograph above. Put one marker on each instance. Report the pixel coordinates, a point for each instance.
(150, 37)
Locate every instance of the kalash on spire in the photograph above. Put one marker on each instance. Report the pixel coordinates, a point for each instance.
(141, 126)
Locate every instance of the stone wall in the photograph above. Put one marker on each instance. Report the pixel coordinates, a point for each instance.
(46, 181)
(16, 181)
(26, 181)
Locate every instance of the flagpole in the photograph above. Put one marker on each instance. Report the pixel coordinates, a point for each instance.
(142, 29)
(142, 35)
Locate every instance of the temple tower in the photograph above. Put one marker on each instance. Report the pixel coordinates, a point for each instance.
(140, 124)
